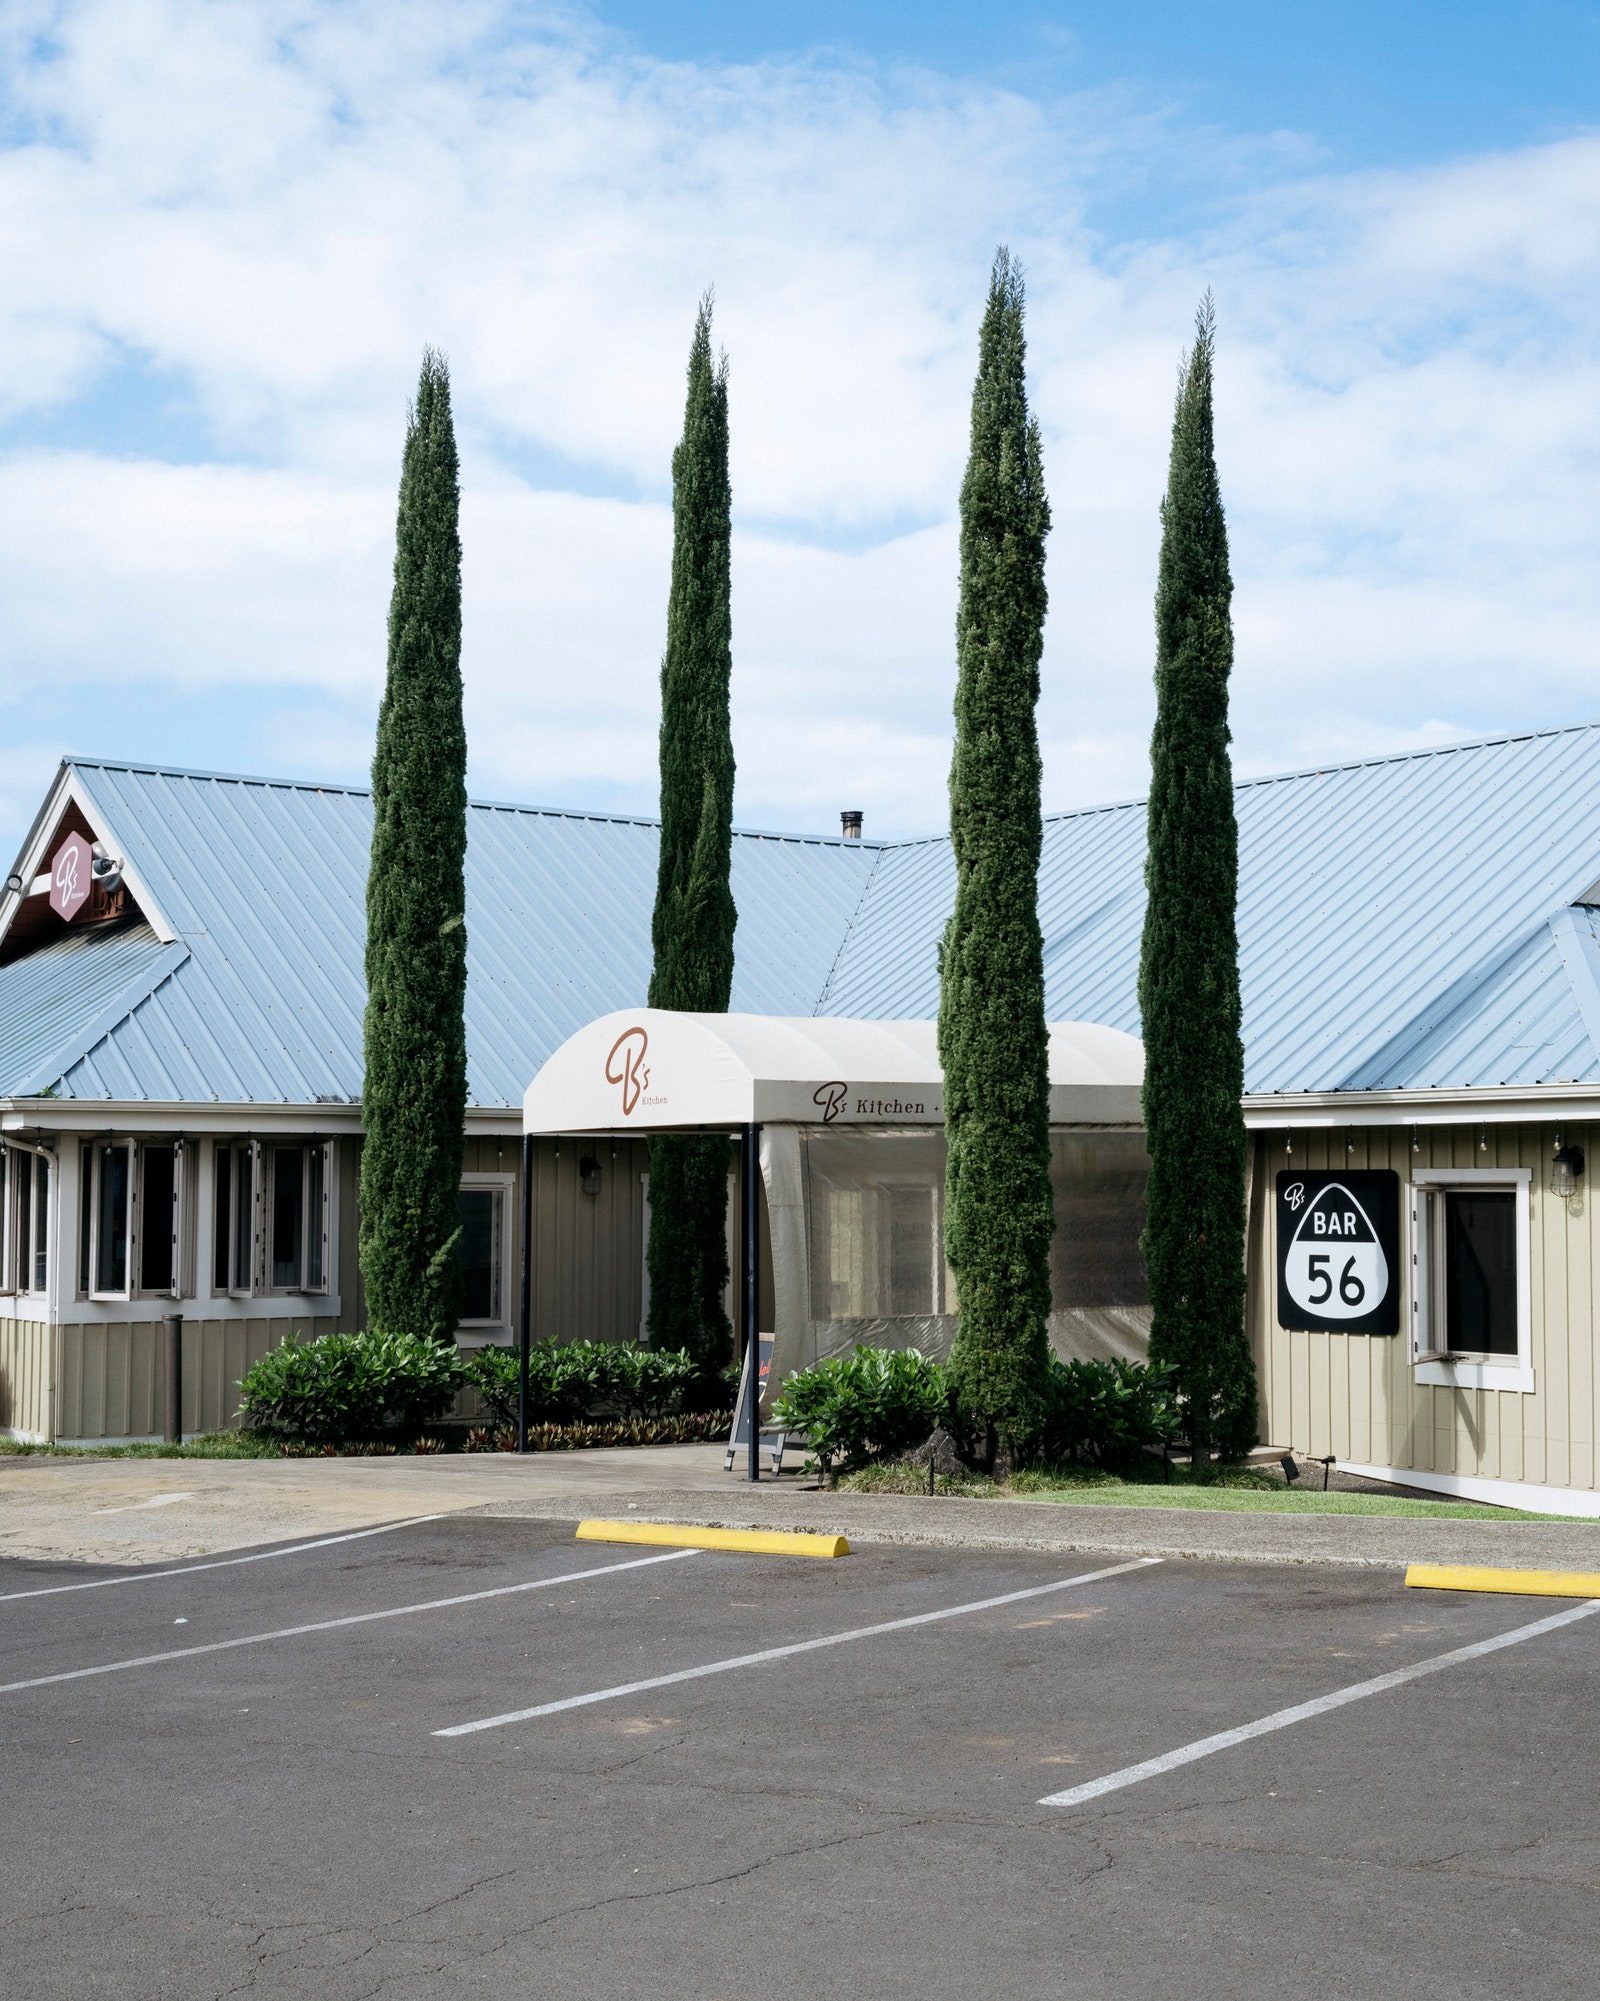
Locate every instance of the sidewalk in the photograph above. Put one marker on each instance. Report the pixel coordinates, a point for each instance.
(167, 1510)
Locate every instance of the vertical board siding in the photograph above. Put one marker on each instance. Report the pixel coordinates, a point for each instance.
(1355, 1395)
(25, 1378)
(588, 1250)
(113, 1372)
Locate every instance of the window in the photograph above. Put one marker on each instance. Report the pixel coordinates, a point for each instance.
(270, 1216)
(24, 1222)
(875, 1203)
(482, 1213)
(105, 1255)
(1470, 1294)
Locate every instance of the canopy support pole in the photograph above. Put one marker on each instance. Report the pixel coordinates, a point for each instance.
(527, 1292)
(750, 1260)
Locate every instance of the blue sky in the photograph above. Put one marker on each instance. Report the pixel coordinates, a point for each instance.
(230, 226)
(1367, 85)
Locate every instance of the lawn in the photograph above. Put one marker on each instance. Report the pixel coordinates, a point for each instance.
(1235, 1491)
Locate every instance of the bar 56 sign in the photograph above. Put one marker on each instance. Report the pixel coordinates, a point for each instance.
(1339, 1252)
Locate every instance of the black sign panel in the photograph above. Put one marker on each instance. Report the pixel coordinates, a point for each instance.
(1339, 1251)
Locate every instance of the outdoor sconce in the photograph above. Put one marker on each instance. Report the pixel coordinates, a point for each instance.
(1565, 1170)
(589, 1174)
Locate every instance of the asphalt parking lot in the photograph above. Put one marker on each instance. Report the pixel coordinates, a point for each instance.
(280, 1818)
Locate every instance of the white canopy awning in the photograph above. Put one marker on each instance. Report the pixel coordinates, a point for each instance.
(652, 1070)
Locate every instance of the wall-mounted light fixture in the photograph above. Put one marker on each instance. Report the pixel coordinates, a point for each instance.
(589, 1174)
(1566, 1170)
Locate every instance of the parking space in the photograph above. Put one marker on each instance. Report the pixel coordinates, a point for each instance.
(281, 1818)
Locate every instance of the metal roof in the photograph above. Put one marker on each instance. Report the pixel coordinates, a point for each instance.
(1395, 919)
(264, 883)
(1405, 923)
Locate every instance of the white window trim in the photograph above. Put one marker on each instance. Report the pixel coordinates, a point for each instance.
(17, 1253)
(265, 1173)
(481, 1333)
(130, 1145)
(1516, 1373)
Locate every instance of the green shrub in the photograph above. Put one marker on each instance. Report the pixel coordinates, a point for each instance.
(1104, 1413)
(350, 1386)
(572, 1381)
(876, 1402)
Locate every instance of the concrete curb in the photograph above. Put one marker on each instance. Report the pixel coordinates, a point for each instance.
(1088, 1529)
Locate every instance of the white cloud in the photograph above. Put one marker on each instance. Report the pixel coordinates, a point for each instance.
(276, 204)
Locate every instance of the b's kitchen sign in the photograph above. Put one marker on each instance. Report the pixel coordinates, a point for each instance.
(1339, 1260)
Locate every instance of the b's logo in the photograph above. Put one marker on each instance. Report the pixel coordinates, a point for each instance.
(70, 876)
(625, 1066)
(831, 1098)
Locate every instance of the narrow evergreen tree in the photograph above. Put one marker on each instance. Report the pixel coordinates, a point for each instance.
(692, 928)
(1189, 964)
(414, 1091)
(993, 1042)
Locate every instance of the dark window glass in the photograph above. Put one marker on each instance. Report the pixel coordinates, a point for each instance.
(242, 1277)
(155, 1218)
(475, 1207)
(288, 1215)
(316, 1168)
(24, 1173)
(1480, 1256)
(111, 1260)
(221, 1219)
(85, 1213)
(41, 1226)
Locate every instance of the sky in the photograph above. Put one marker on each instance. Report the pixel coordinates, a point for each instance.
(229, 228)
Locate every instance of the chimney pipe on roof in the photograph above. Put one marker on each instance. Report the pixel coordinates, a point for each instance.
(850, 826)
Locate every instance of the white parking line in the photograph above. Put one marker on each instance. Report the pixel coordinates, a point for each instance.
(1281, 1719)
(219, 1563)
(783, 1653)
(353, 1619)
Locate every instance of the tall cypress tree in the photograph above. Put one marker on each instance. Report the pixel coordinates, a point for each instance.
(414, 1092)
(692, 928)
(1189, 964)
(993, 1042)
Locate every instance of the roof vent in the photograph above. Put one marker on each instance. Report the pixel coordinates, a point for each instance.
(850, 826)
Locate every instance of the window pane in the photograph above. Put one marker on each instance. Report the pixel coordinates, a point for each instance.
(242, 1277)
(155, 1219)
(24, 1217)
(911, 1242)
(316, 1166)
(41, 1226)
(111, 1264)
(288, 1190)
(1480, 1256)
(475, 1207)
(221, 1220)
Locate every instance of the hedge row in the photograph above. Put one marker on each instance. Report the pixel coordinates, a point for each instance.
(349, 1388)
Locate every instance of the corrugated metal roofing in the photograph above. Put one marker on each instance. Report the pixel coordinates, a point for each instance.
(264, 882)
(1407, 922)
(1389, 918)
(55, 999)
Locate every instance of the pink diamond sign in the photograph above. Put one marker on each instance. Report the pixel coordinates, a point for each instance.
(70, 877)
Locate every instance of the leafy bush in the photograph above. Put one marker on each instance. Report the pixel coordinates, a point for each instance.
(685, 1428)
(570, 1381)
(1104, 1413)
(878, 1401)
(350, 1386)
